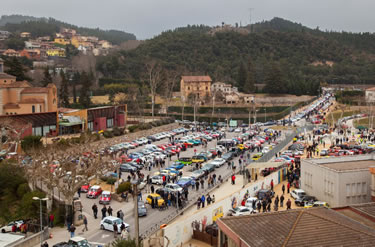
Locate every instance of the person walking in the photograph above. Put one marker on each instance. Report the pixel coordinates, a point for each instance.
(79, 192)
(199, 203)
(288, 204)
(51, 219)
(233, 179)
(115, 230)
(121, 215)
(72, 230)
(104, 212)
(271, 184)
(110, 210)
(85, 223)
(95, 211)
(203, 199)
(288, 187)
(283, 188)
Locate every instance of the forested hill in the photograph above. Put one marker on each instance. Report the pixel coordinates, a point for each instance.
(302, 57)
(44, 27)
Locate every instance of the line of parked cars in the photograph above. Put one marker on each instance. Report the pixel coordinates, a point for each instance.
(301, 199)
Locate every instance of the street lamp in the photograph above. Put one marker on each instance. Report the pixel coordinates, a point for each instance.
(41, 217)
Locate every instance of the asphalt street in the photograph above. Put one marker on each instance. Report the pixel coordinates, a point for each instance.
(155, 217)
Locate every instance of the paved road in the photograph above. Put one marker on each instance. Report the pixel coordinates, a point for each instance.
(155, 217)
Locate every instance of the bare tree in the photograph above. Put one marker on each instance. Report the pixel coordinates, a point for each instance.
(154, 73)
(194, 101)
(169, 83)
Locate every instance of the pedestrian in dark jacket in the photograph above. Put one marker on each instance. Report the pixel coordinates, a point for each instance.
(203, 199)
(110, 210)
(104, 212)
(283, 188)
(288, 204)
(95, 210)
(199, 203)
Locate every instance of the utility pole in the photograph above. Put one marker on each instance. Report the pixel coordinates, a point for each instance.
(135, 184)
(250, 10)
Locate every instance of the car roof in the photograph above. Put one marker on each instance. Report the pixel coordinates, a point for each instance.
(111, 218)
(299, 190)
(154, 195)
(106, 192)
(77, 238)
(95, 187)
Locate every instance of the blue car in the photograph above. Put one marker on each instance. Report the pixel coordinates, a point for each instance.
(177, 166)
(184, 182)
(135, 155)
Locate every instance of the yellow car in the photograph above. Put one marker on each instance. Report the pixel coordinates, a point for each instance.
(316, 204)
(257, 156)
(241, 146)
(154, 197)
(197, 159)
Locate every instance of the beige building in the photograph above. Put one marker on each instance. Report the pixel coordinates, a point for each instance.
(339, 181)
(19, 97)
(370, 94)
(199, 85)
(223, 87)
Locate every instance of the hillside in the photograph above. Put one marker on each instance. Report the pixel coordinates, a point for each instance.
(44, 27)
(295, 49)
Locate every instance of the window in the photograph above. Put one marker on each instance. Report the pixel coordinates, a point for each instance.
(347, 190)
(359, 187)
(364, 188)
(40, 108)
(109, 122)
(33, 109)
(353, 189)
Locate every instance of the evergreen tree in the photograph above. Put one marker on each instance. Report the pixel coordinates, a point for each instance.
(275, 83)
(16, 69)
(47, 79)
(64, 91)
(249, 86)
(241, 77)
(84, 96)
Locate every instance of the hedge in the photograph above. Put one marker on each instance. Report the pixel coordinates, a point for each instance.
(229, 110)
(123, 187)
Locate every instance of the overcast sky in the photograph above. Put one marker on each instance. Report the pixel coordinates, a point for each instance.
(147, 18)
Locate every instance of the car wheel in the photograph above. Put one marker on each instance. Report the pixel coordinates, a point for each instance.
(3, 230)
(102, 227)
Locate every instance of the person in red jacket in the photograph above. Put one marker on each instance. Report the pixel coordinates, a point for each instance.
(288, 186)
(272, 184)
(51, 219)
(233, 179)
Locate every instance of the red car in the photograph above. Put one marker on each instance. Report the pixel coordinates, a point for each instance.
(105, 197)
(85, 188)
(94, 192)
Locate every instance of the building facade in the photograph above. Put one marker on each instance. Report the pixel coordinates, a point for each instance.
(370, 94)
(19, 97)
(223, 87)
(339, 181)
(198, 85)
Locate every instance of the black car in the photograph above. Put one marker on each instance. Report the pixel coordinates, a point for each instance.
(127, 168)
(62, 244)
(301, 201)
(162, 191)
(136, 165)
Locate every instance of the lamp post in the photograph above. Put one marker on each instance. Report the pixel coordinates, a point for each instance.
(41, 217)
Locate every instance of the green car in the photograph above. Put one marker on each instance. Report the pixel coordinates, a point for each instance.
(185, 160)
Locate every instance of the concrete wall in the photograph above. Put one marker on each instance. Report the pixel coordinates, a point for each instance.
(31, 241)
(181, 231)
(354, 187)
(331, 186)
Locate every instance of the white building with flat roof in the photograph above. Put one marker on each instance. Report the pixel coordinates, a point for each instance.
(339, 181)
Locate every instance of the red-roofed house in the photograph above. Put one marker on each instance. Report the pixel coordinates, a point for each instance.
(199, 85)
(19, 97)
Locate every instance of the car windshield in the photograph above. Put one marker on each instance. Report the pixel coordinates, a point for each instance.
(183, 180)
(118, 221)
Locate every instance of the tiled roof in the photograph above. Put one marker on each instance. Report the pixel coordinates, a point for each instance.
(370, 89)
(303, 227)
(31, 100)
(11, 106)
(367, 208)
(35, 90)
(196, 78)
(6, 76)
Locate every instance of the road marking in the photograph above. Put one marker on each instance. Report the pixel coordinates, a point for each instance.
(105, 235)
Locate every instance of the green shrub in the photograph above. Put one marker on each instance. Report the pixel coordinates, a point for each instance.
(108, 134)
(111, 180)
(123, 187)
(31, 142)
(103, 178)
(22, 190)
(133, 128)
(117, 131)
